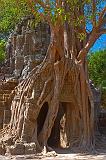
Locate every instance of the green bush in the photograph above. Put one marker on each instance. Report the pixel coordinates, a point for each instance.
(11, 11)
(97, 72)
(97, 68)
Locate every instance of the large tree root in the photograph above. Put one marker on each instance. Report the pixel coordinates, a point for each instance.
(45, 84)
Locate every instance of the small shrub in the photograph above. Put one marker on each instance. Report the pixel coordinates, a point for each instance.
(97, 72)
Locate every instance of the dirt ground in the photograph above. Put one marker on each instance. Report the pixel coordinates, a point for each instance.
(66, 154)
(61, 155)
(58, 157)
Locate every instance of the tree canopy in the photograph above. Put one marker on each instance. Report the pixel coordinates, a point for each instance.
(10, 14)
(52, 11)
(86, 16)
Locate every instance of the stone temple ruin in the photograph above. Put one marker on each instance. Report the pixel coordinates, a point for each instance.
(26, 48)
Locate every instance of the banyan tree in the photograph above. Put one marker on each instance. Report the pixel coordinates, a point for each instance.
(54, 105)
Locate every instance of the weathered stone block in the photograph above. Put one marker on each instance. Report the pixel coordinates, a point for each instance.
(1, 104)
(2, 149)
(17, 149)
(30, 148)
(19, 62)
(7, 116)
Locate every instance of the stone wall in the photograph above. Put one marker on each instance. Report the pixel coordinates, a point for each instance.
(6, 88)
(28, 47)
(25, 49)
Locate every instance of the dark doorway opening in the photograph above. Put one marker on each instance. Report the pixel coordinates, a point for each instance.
(54, 139)
(42, 116)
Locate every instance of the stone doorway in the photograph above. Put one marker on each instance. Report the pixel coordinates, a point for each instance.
(42, 116)
(57, 138)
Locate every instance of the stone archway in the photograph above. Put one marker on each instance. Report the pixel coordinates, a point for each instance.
(66, 126)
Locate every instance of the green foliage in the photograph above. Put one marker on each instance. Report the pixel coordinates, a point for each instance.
(11, 11)
(97, 71)
(2, 50)
(59, 14)
(97, 68)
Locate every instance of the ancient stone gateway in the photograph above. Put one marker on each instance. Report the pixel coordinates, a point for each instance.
(48, 105)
